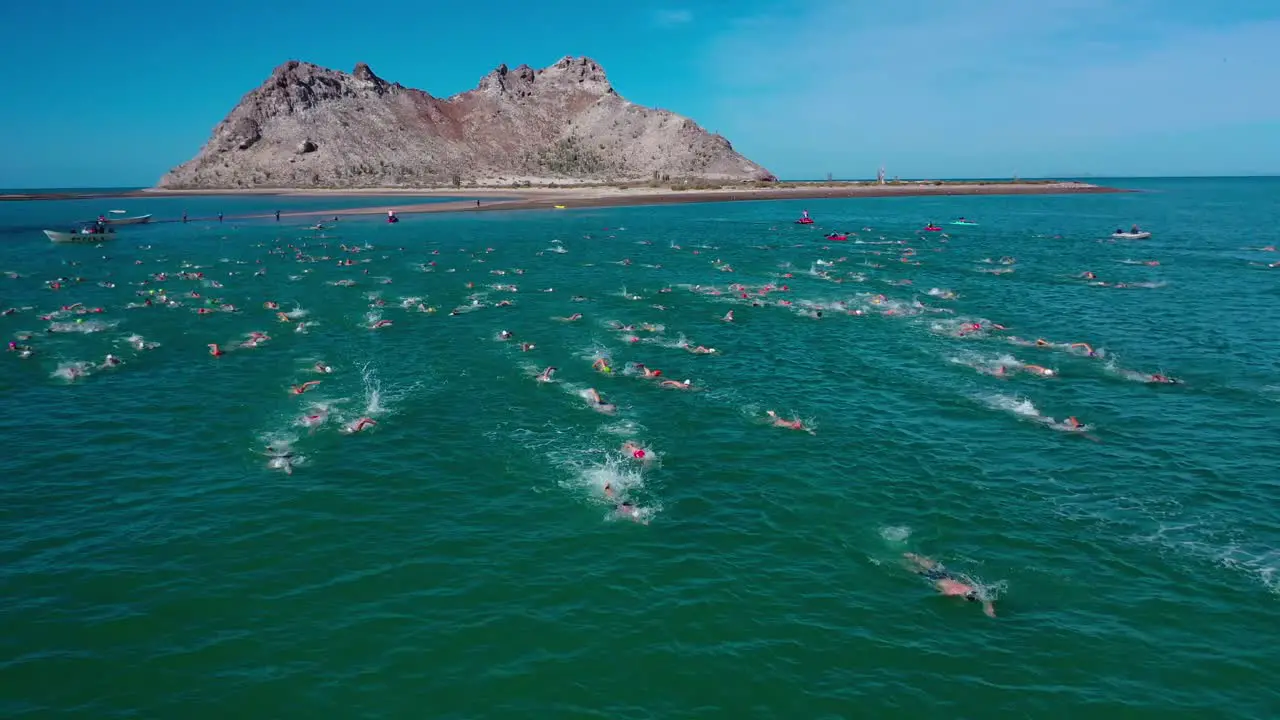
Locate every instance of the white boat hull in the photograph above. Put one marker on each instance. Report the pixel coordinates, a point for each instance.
(71, 237)
(1131, 236)
(136, 220)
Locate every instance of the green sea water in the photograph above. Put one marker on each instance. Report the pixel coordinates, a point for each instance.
(460, 558)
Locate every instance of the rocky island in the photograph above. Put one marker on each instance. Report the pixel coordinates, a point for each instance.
(311, 127)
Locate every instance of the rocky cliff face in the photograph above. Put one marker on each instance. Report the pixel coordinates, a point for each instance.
(308, 126)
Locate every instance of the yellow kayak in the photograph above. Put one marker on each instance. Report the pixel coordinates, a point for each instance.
(559, 207)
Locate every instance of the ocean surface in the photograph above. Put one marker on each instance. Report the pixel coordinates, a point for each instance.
(182, 535)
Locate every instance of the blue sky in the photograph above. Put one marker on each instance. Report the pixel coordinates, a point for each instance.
(929, 88)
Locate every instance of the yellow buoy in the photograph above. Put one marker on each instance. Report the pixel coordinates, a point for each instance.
(559, 207)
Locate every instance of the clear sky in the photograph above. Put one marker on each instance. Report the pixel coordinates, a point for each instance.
(115, 93)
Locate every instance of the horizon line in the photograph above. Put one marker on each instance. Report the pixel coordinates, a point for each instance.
(793, 179)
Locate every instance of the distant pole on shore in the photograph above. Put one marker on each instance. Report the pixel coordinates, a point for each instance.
(880, 176)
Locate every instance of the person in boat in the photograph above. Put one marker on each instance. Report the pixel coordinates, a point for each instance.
(1135, 229)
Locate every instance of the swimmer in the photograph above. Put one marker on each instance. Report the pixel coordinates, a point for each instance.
(1073, 425)
(700, 350)
(316, 419)
(948, 584)
(281, 459)
(359, 425)
(634, 451)
(320, 367)
(631, 512)
(1037, 370)
(526, 347)
(646, 372)
(137, 342)
(299, 389)
(1088, 350)
(545, 375)
(572, 318)
(686, 385)
(795, 424)
(214, 350)
(728, 317)
(1163, 379)
(111, 361)
(380, 324)
(504, 335)
(602, 365)
(598, 402)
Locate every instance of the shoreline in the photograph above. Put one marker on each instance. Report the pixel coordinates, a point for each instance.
(579, 198)
(547, 198)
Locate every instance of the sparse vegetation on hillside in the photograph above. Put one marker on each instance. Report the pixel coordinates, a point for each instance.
(570, 157)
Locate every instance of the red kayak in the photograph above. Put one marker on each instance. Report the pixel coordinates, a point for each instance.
(837, 238)
(932, 228)
(805, 221)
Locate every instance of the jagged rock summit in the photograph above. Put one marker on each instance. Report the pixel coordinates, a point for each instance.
(309, 126)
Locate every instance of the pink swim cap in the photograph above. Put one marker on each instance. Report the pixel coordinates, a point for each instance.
(638, 454)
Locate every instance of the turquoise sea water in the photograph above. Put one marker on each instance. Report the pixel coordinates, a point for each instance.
(459, 559)
(28, 218)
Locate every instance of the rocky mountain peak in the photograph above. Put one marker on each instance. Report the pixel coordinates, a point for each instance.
(309, 126)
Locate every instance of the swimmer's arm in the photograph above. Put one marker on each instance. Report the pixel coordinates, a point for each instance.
(989, 608)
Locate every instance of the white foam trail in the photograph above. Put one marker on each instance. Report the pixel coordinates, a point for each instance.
(380, 400)
(1021, 407)
(1025, 409)
(82, 326)
(372, 389)
(71, 371)
(896, 534)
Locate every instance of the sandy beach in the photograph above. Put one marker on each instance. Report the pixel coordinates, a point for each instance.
(592, 197)
(484, 199)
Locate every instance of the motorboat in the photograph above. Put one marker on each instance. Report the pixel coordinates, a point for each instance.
(88, 234)
(117, 217)
(1140, 235)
